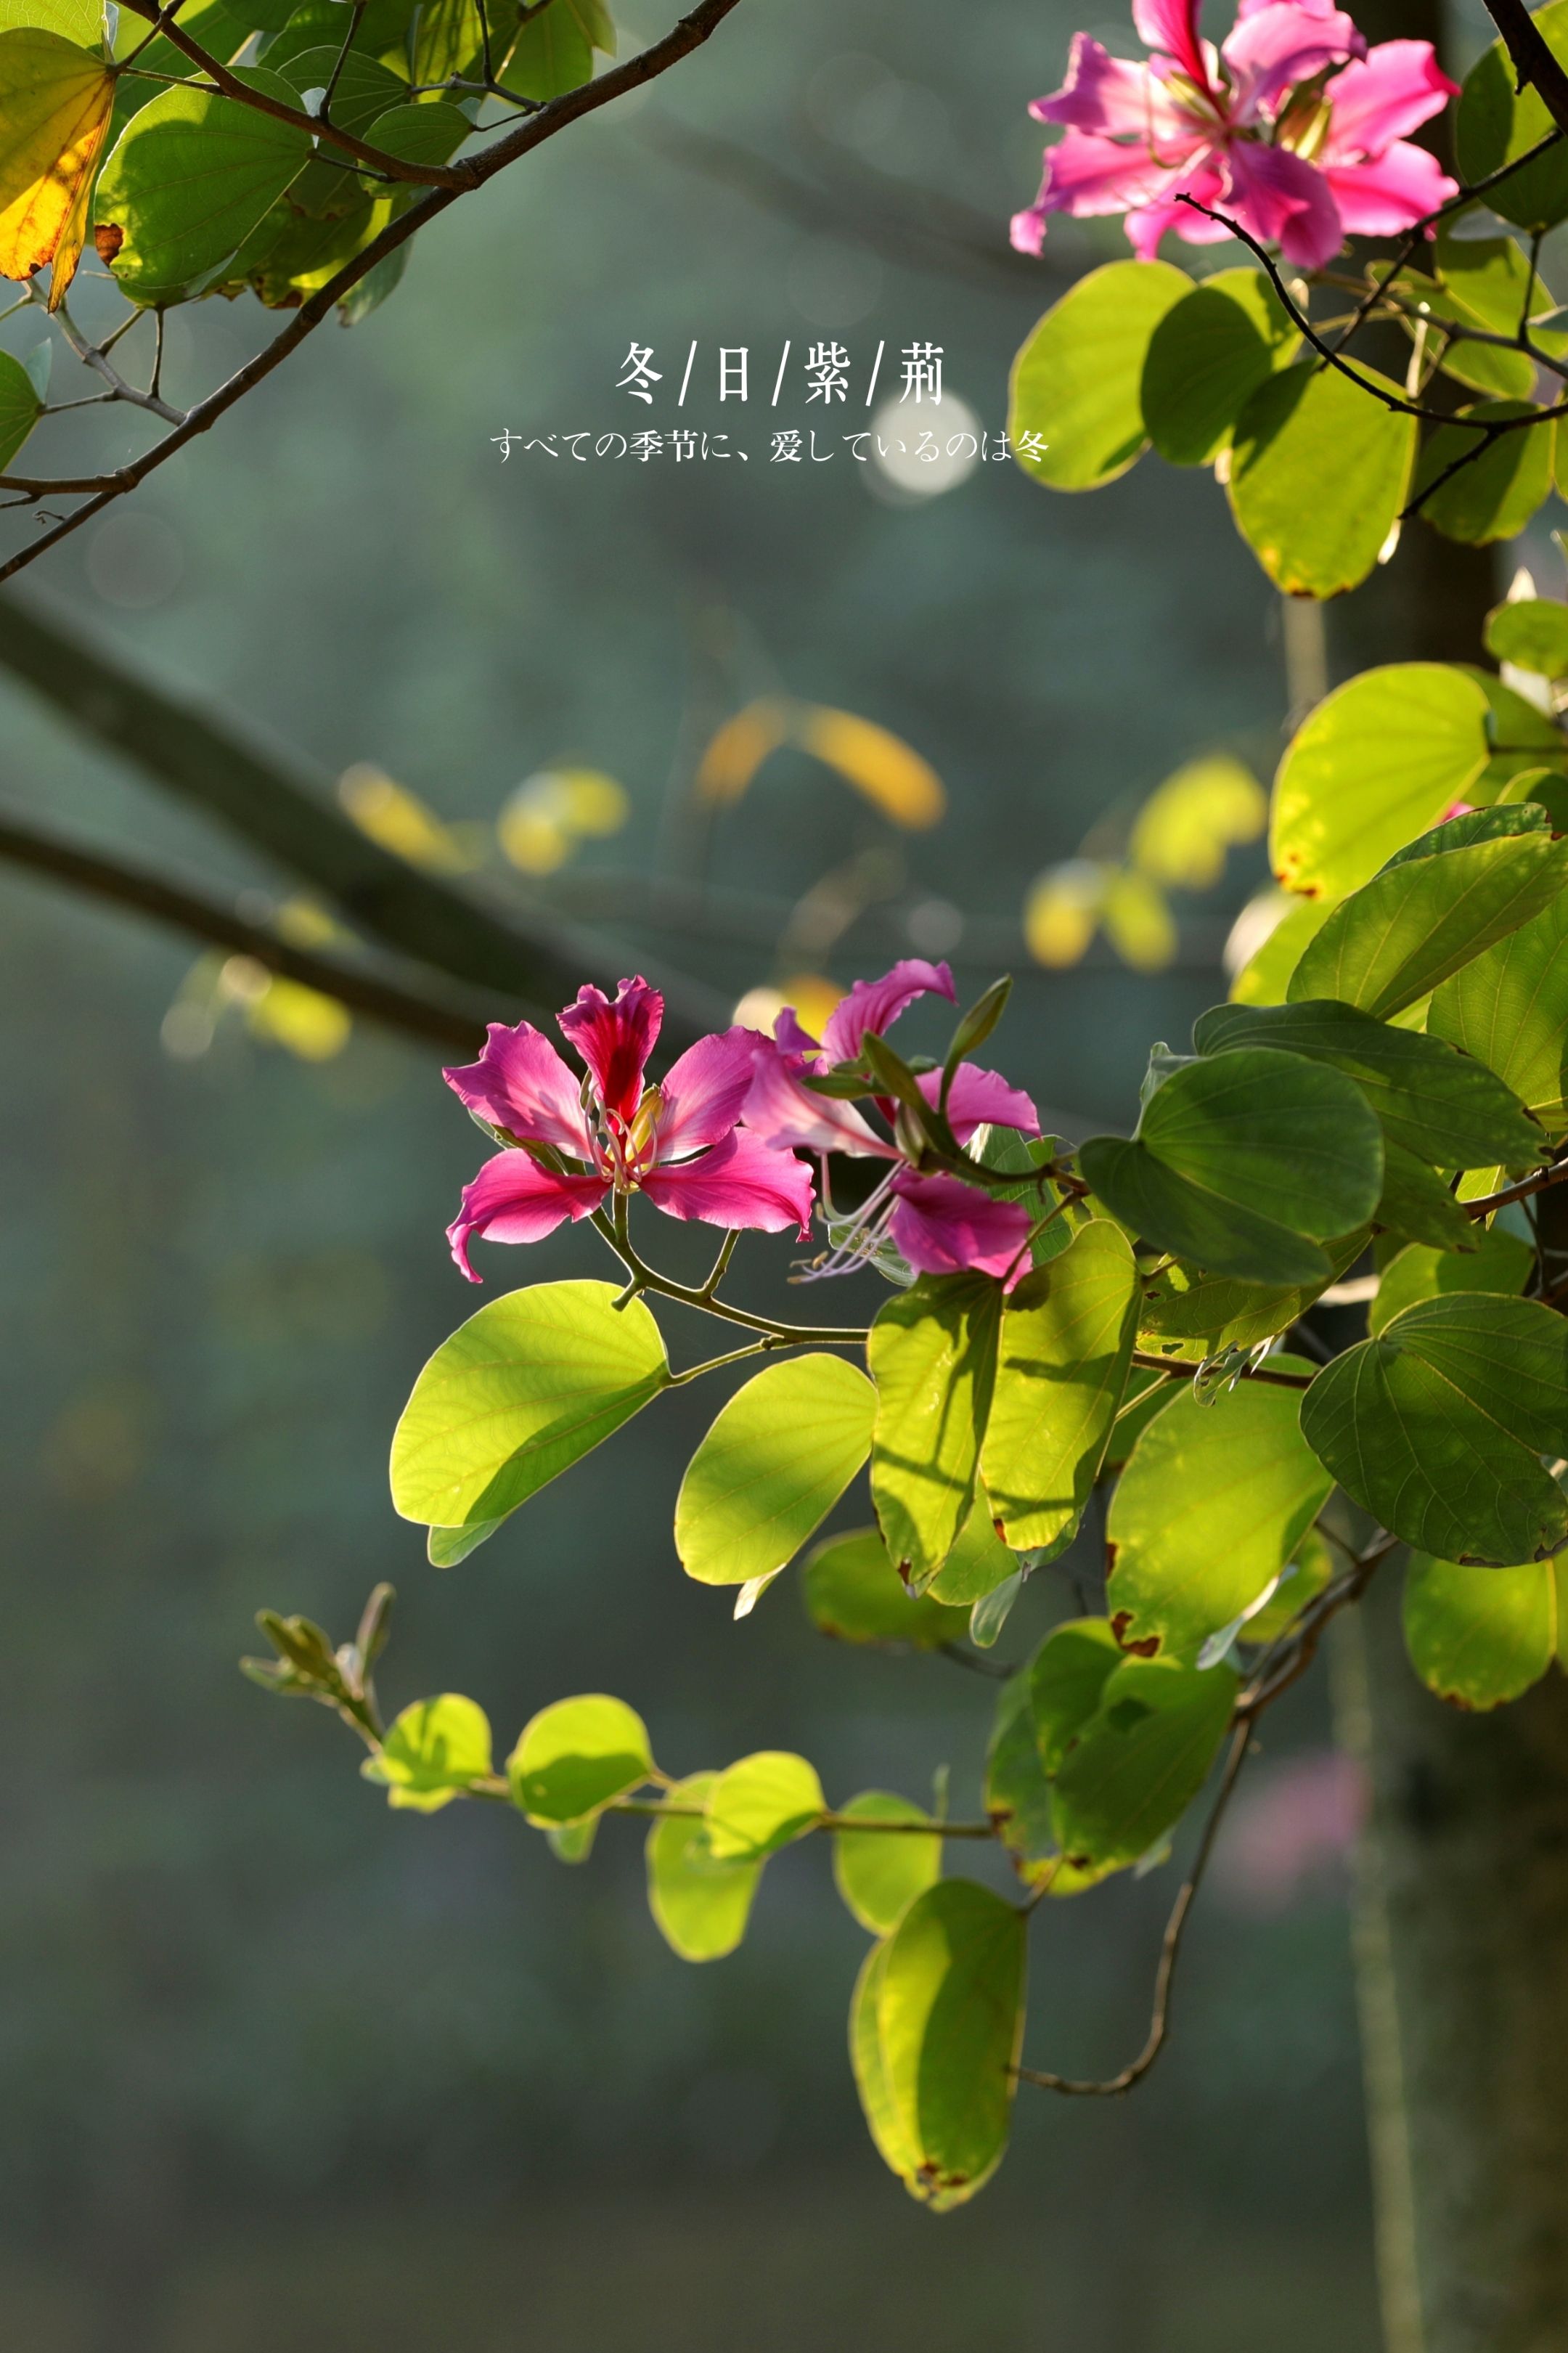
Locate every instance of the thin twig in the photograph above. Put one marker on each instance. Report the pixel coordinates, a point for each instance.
(1186, 1368)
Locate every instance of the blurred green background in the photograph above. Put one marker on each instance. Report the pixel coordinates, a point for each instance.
(279, 2068)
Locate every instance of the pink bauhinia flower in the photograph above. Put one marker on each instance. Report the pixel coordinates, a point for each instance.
(574, 1142)
(939, 1223)
(1293, 127)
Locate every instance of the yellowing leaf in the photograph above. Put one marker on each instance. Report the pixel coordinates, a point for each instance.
(1062, 912)
(1184, 828)
(881, 767)
(308, 1024)
(540, 822)
(400, 822)
(1137, 923)
(56, 100)
(738, 749)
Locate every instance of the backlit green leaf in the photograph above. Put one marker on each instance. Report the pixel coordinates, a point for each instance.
(1069, 1676)
(1018, 1794)
(978, 1563)
(852, 1591)
(1532, 634)
(1077, 383)
(772, 1467)
(1319, 470)
(1403, 933)
(1206, 357)
(1243, 1161)
(1509, 1008)
(434, 1751)
(1312, 1565)
(1489, 281)
(883, 2120)
(699, 1903)
(1479, 1636)
(1417, 1203)
(1211, 1506)
(761, 1804)
(1142, 1758)
(1493, 494)
(1438, 1425)
(1067, 1341)
(573, 1758)
(1500, 1262)
(879, 1872)
(932, 1355)
(516, 1395)
(1495, 122)
(950, 2016)
(1264, 977)
(1378, 762)
(552, 54)
(20, 407)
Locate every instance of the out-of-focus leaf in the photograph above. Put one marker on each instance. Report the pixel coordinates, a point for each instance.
(1532, 634)
(879, 1872)
(932, 1355)
(1438, 1425)
(1492, 496)
(701, 1905)
(1137, 923)
(519, 1393)
(1378, 762)
(1500, 1262)
(436, 1750)
(1205, 359)
(1211, 1506)
(1403, 933)
(1509, 1008)
(772, 1467)
(1244, 1161)
(763, 1802)
(573, 1757)
(1077, 384)
(1266, 975)
(1184, 829)
(852, 1591)
(1478, 1637)
(398, 819)
(1319, 470)
(288, 1014)
(1061, 912)
(881, 766)
(950, 2017)
(1067, 1342)
(56, 100)
(1522, 737)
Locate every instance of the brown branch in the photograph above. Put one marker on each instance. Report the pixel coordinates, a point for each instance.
(1533, 61)
(1186, 1368)
(1491, 1201)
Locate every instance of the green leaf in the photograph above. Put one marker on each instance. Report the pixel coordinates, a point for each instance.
(1018, 1794)
(573, 1758)
(772, 1467)
(1312, 1565)
(978, 1563)
(949, 2019)
(364, 90)
(428, 132)
(1494, 123)
(1206, 357)
(20, 407)
(1417, 1203)
(573, 1841)
(1532, 634)
(80, 21)
(1492, 496)
(700, 1905)
(1068, 1679)
(1522, 737)
(553, 53)
(1183, 1302)
(1434, 1102)
(761, 1804)
(1243, 1161)
(447, 38)
(1148, 1394)
(434, 1751)
(883, 2120)
(1142, 1758)
(1379, 760)
(1437, 1426)
(1509, 1008)
(1319, 470)
(879, 1872)
(1478, 1637)
(1487, 283)
(1077, 383)
(191, 175)
(1500, 1262)
(1483, 366)
(852, 1591)
(932, 1355)
(1067, 1342)
(1266, 975)
(1403, 933)
(524, 1389)
(1211, 1506)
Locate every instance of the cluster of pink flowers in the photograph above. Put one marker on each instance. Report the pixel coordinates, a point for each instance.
(717, 1139)
(1292, 126)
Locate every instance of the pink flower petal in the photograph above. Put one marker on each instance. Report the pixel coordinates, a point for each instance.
(740, 1183)
(1085, 176)
(1285, 202)
(706, 1090)
(1282, 44)
(1387, 95)
(943, 1226)
(615, 1040)
(1026, 234)
(1391, 193)
(520, 1082)
(513, 1199)
(876, 1004)
(785, 1115)
(794, 1039)
(1173, 26)
(980, 1098)
(1111, 96)
(1148, 223)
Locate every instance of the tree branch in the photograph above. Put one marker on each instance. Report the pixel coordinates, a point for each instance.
(1533, 62)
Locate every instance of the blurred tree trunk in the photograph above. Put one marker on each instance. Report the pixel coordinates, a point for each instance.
(1461, 1928)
